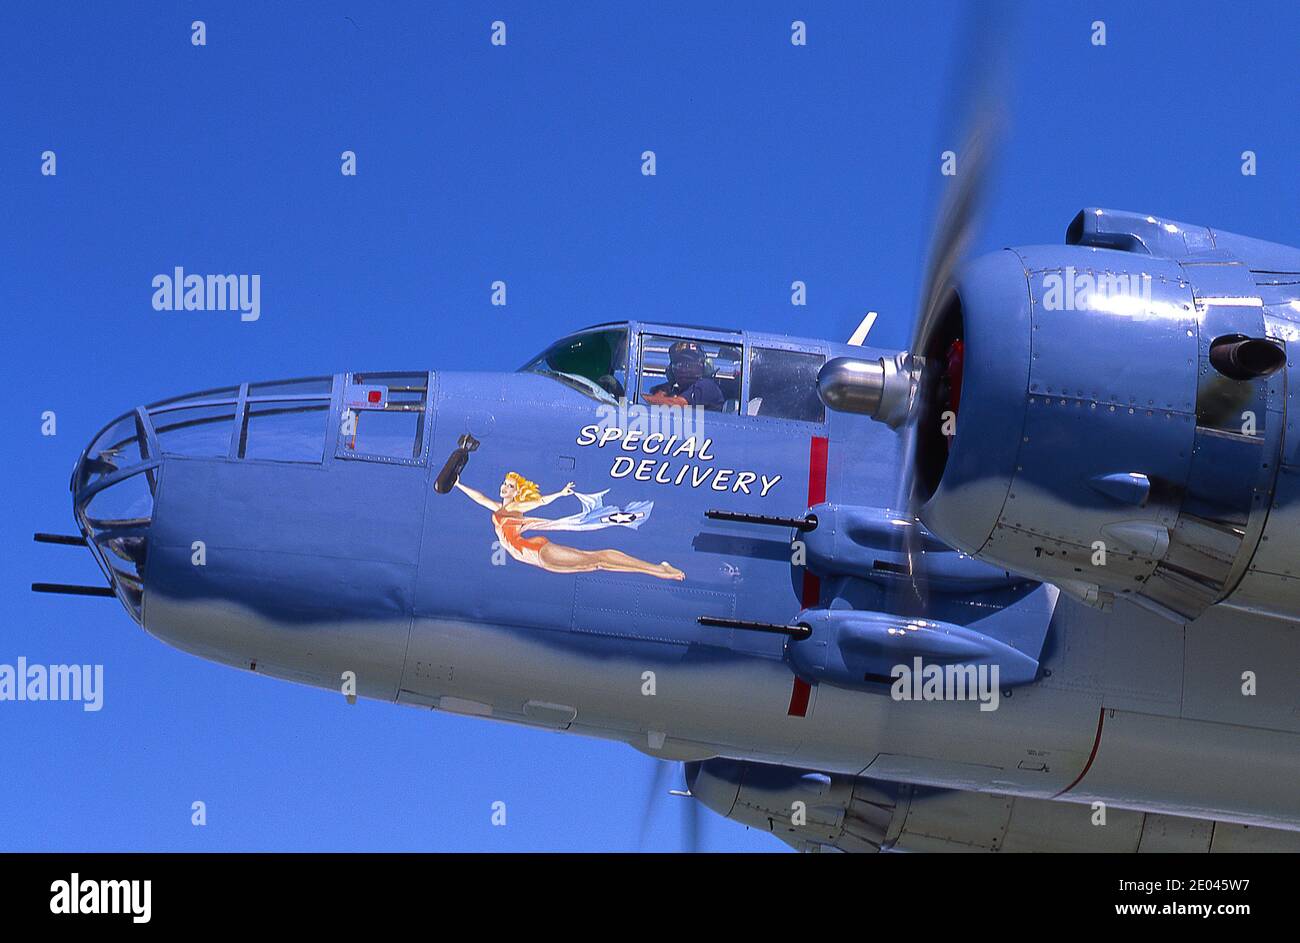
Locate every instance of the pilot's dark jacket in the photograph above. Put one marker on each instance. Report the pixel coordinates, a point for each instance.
(703, 392)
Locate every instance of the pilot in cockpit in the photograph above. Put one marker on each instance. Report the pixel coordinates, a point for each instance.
(689, 380)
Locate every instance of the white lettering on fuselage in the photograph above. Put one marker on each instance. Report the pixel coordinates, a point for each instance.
(676, 460)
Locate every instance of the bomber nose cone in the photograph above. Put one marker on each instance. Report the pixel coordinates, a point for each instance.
(113, 489)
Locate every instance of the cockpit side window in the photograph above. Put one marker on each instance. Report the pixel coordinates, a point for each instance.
(683, 371)
(592, 362)
(783, 385)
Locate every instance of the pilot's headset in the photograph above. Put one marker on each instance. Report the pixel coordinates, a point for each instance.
(687, 363)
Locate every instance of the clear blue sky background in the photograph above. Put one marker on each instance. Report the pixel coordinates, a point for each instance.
(479, 163)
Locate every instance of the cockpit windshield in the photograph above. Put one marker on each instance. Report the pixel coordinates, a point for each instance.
(593, 362)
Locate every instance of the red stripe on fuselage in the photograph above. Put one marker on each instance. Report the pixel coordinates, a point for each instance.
(817, 450)
(812, 590)
(799, 698)
(812, 586)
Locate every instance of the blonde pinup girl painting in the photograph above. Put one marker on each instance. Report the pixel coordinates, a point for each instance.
(512, 519)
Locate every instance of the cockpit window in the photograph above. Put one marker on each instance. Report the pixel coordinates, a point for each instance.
(783, 385)
(593, 362)
(681, 371)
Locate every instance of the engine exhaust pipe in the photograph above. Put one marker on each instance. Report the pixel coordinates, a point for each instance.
(1239, 357)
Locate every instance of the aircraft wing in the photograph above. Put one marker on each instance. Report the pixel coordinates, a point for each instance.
(816, 811)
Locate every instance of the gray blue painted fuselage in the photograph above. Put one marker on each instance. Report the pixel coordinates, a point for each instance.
(310, 570)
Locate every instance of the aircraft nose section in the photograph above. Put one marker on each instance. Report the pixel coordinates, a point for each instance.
(113, 486)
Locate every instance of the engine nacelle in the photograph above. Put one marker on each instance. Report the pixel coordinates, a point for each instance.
(812, 811)
(1112, 416)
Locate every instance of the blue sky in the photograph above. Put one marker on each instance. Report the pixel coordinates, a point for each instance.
(477, 163)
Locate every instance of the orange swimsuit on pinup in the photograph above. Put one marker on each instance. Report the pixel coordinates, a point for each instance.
(524, 549)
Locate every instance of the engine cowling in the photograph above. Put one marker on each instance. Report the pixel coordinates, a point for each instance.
(1113, 416)
(812, 811)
